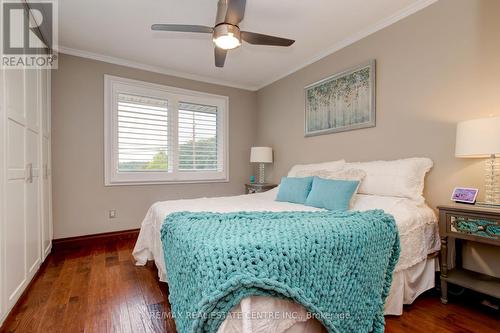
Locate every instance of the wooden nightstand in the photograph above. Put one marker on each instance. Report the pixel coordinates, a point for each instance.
(258, 188)
(471, 223)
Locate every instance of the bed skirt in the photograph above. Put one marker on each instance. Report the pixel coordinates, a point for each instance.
(407, 285)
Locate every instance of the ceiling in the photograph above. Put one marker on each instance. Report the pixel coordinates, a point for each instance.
(119, 31)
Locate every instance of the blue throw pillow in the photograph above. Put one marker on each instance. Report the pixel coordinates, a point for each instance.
(331, 194)
(294, 190)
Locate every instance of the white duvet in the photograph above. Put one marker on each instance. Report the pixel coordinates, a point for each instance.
(416, 223)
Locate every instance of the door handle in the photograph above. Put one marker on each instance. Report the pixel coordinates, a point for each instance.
(29, 170)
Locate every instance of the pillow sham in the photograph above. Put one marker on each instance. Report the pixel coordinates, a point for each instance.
(331, 194)
(294, 190)
(400, 178)
(342, 174)
(329, 166)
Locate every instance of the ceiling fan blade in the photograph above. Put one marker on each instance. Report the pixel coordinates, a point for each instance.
(220, 56)
(260, 39)
(182, 28)
(235, 11)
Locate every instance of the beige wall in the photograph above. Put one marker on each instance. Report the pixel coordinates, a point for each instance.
(434, 68)
(80, 200)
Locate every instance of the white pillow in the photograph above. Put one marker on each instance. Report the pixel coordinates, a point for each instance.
(342, 174)
(328, 166)
(399, 178)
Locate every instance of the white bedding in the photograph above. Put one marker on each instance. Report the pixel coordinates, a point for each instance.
(416, 223)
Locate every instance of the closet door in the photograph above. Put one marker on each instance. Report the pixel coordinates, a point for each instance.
(22, 225)
(2, 197)
(17, 175)
(25, 217)
(46, 179)
(32, 204)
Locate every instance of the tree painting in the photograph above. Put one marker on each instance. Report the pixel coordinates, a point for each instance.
(342, 102)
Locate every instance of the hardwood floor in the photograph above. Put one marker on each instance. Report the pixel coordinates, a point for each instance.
(98, 288)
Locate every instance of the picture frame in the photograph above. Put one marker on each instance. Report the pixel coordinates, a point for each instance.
(464, 195)
(341, 102)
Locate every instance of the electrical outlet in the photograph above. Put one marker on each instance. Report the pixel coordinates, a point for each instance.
(112, 214)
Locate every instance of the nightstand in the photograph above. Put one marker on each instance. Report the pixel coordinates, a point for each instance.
(461, 222)
(258, 188)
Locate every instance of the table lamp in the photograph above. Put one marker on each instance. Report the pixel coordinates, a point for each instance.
(261, 155)
(480, 138)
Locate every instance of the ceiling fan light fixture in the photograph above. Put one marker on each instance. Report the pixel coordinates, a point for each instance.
(227, 42)
(226, 33)
(227, 36)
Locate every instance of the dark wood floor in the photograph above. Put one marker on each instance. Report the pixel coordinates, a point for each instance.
(99, 289)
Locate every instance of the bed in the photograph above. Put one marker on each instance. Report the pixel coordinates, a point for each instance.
(414, 272)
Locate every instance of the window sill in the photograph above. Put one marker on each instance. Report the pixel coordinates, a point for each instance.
(169, 182)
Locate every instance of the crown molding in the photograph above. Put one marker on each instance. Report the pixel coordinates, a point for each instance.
(413, 8)
(151, 68)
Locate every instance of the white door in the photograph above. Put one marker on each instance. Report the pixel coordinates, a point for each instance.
(2, 196)
(45, 177)
(16, 176)
(22, 233)
(32, 204)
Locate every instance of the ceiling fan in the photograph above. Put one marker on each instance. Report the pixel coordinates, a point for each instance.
(226, 32)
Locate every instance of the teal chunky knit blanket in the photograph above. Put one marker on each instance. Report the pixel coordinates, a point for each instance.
(338, 265)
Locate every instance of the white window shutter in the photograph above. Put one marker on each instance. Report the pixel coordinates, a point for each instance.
(198, 146)
(142, 134)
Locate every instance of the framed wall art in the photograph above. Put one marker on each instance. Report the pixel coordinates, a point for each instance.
(342, 102)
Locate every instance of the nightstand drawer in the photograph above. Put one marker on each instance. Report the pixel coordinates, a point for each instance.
(258, 187)
(474, 226)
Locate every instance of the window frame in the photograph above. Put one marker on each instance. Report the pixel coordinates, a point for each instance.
(113, 86)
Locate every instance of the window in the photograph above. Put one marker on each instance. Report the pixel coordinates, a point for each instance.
(142, 133)
(197, 137)
(157, 134)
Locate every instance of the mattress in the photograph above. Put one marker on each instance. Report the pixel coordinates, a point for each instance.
(416, 222)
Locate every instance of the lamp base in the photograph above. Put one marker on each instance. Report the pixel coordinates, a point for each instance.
(492, 181)
(262, 177)
(487, 205)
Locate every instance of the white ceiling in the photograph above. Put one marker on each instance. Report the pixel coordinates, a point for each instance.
(119, 31)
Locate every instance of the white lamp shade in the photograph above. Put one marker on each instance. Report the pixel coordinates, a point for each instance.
(261, 155)
(478, 138)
